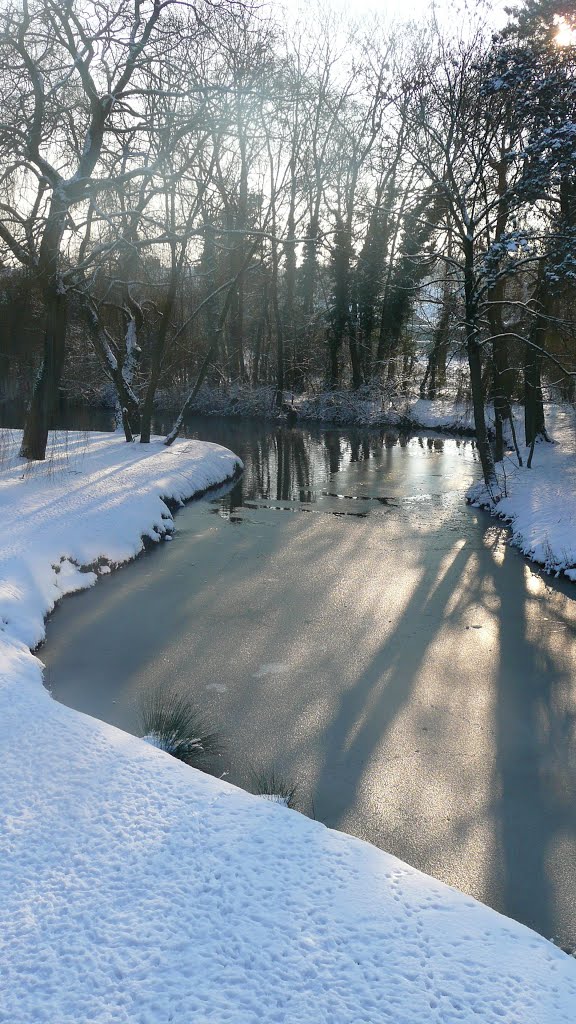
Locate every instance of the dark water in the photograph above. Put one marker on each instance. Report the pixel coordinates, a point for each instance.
(342, 616)
(71, 417)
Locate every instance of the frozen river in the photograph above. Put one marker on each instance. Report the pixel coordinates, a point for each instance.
(342, 616)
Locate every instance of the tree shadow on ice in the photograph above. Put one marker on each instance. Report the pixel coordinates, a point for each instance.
(507, 774)
(534, 808)
(369, 708)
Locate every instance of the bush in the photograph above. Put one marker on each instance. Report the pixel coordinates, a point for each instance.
(272, 786)
(170, 722)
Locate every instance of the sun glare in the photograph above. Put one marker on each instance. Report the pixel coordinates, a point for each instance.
(566, 35)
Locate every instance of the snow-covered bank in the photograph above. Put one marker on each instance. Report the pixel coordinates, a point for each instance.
(135, 889)
(92, 502)
(540, 503)
(373, 405)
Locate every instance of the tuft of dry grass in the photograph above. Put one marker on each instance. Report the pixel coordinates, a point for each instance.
(170, 721)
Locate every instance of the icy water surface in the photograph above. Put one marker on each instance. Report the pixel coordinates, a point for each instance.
(341, 615)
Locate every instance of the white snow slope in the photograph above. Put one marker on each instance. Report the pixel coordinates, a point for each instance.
(135, 890)
(540, 503)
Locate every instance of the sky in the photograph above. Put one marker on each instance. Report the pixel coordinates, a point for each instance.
(451, 10)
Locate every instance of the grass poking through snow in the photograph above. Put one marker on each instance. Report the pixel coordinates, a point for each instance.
(170, 721)
(272, 786)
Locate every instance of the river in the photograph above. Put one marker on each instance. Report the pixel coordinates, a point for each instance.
(342, 616)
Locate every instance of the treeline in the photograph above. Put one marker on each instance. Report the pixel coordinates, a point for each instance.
(192, 192)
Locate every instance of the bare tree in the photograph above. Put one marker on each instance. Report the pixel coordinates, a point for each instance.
(79, 84)
(466, 154)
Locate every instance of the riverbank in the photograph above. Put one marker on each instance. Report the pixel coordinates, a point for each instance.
(135, 888)
(372, 405)
(539, 504)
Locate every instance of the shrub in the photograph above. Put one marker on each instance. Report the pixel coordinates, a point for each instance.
(272, 786)
(170, 721)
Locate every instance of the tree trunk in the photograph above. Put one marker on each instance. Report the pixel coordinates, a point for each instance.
(534, 419)
(260, 333)
(41, 415)
(435, 375)
(333, 367)
(502, 373)
(292, 343)
(340, 325)
(502, 405)
(279, 328)
(238, 255)
(44, 404)
(355, 360)
(157, 356)
(126, 397)
(475, 364)
(436, 366)
(212, 348)
(309, 269)
(148, 404)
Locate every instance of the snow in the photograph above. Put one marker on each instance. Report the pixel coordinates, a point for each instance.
(137, 890)
(371, 406)
(133, 353)
(91, 501)
(275, 798)
(540, 503)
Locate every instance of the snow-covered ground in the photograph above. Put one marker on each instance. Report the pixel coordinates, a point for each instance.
(540, 503)
(370, 406)
(135, 890)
